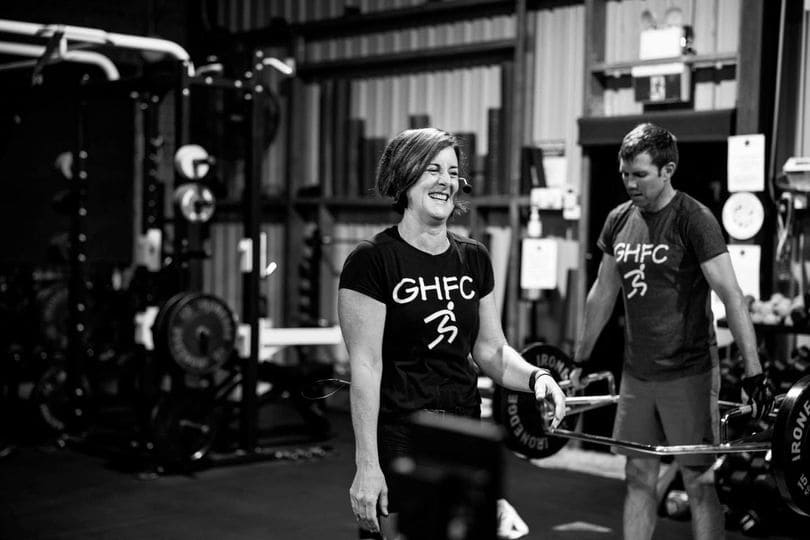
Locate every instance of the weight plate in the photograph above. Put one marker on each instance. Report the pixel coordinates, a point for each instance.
(521, 414)
(52, 304)
(60, 408)
(158, 327)
(184, 427)
(790, 455)
(51, 399)
(196, 202)
(199, 333)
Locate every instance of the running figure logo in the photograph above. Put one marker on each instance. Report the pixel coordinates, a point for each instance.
(446, 315)
(638, 281)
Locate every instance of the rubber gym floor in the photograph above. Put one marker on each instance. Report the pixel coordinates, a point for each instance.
(48, 492)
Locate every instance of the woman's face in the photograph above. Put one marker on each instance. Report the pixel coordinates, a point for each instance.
(432, 196)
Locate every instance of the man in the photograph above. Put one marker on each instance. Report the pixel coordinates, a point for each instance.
(665, 251)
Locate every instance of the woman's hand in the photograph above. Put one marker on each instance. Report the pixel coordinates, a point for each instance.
(369, 492)
(546, 388)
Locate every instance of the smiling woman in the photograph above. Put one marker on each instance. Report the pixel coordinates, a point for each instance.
(415, 304)
(431, 198)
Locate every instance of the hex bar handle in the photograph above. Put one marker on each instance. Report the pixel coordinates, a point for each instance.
(592, 378)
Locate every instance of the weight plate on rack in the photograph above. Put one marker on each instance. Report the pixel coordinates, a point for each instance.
(198, 332)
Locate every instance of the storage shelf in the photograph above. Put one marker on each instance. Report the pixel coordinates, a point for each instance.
(483, 201)
(279, 32)
(276, 208)
(499, 201)
(619, 69)
(440, 58)
(272, 207)
(342, 202)
(397, 19)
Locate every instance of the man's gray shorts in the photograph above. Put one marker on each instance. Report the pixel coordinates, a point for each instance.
(674, 412)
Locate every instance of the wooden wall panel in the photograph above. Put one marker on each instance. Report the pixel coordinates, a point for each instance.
(803, 105)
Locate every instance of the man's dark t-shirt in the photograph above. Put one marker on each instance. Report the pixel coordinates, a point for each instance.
(669, 329)
(431, 318)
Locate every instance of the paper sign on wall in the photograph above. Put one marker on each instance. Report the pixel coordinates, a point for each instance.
(538, 263)
(746, 162)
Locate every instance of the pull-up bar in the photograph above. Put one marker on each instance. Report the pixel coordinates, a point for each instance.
(99, 37)
(36, 51)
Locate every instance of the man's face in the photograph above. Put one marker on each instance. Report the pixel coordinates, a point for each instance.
(646, 184)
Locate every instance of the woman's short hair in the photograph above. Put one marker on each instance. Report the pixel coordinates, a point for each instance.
(655, 140)
(406, 157)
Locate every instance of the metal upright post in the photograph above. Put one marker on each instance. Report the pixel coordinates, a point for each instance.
(152, 219)
(152, 211)
(187, 235)
(78, 286)
(251, 203)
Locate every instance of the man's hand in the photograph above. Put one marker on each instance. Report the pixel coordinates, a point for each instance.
(369, 490)
(575, 375)
(756, 391)
(545, 387)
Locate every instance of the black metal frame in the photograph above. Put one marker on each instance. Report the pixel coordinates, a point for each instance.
(251, 89)
(78, 286)
(251, 207)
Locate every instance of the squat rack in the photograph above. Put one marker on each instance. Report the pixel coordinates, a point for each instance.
(69, 43)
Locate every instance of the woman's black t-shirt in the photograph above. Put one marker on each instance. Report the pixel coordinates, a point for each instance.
(431, 320)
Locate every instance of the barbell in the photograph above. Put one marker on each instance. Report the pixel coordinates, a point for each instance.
(529, 432)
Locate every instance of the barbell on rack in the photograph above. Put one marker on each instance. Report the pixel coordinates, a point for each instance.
(528, 431)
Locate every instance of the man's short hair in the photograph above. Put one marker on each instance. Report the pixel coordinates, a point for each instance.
(659, 143)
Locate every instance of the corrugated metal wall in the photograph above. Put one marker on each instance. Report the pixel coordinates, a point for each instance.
(458, 99)
(223, 277)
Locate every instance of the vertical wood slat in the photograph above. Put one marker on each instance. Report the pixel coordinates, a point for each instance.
(749, 69)
(803, 127)
(310, 127)
(572, 89)
(596, 52)
(514, 86)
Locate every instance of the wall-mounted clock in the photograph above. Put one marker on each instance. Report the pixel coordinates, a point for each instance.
(743, 215)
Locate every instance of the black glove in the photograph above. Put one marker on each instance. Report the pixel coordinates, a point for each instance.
(757, 391)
